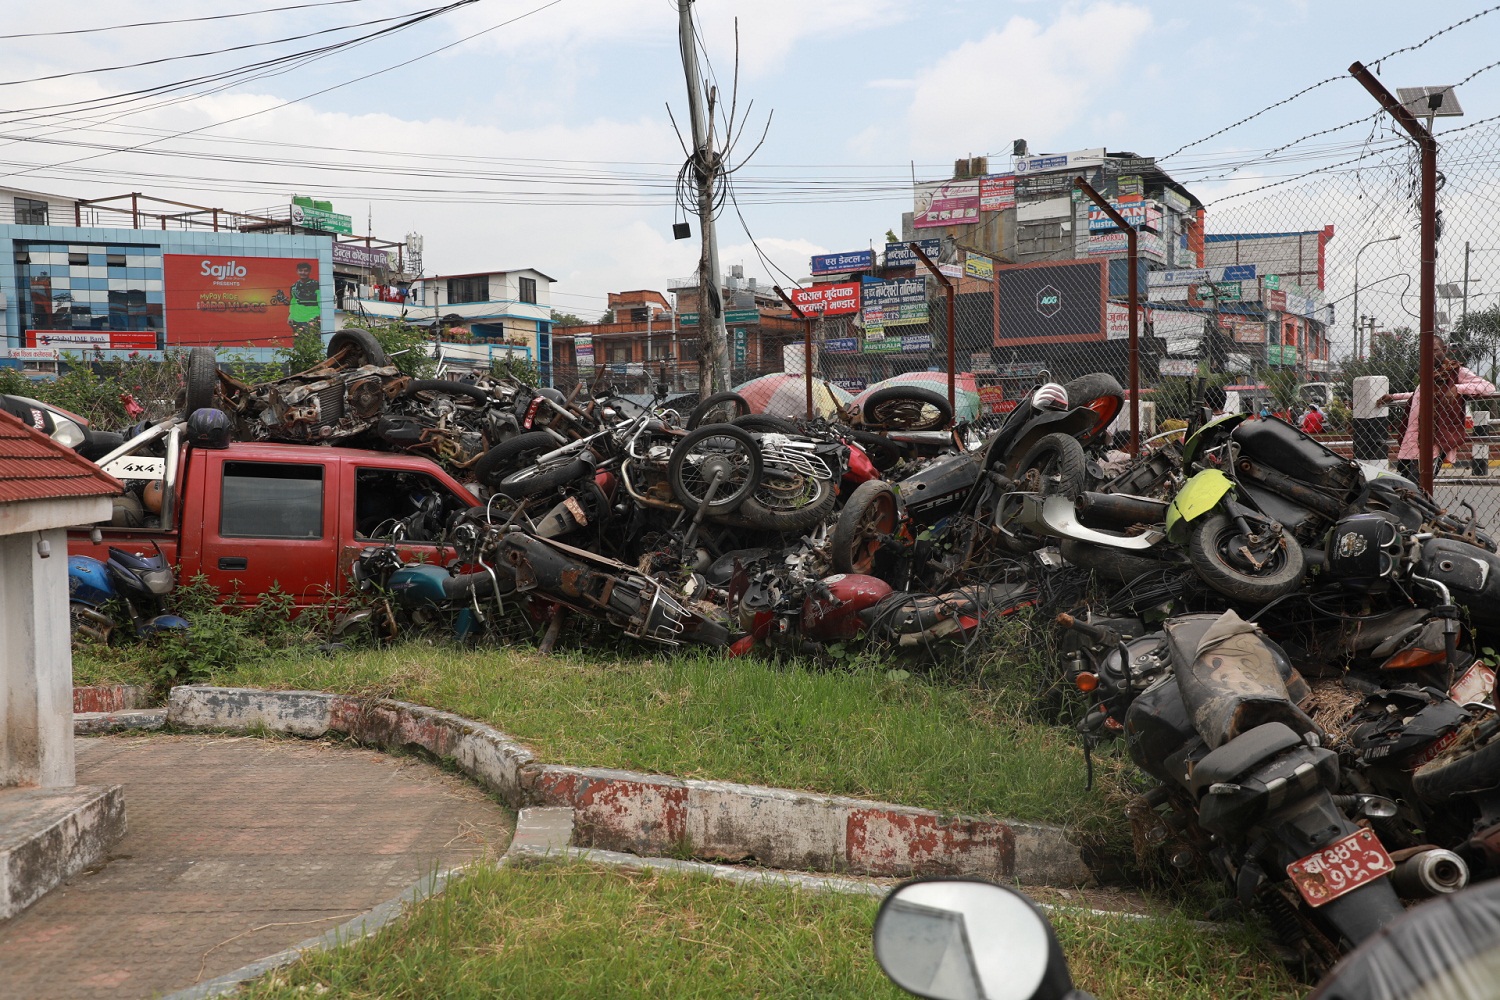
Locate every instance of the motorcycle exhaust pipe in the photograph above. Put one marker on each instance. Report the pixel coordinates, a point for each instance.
(1431, 873)
(1113, 510)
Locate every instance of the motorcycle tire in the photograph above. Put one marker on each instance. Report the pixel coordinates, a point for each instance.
(1445, 779)
(871, 513)
(687, 483)
(534, 480)
(1055, 466)
(417, 385)
(764, 423)
(753, 514)
(702, 411)
(202, 377)
(1204, 553)
(97, 444)
(1101, 393)
(907, 408)
(1112, 564)
(501, 460)
(366, 350)
(879, 449)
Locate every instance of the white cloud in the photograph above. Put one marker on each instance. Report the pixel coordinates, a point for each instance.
(1027, 80)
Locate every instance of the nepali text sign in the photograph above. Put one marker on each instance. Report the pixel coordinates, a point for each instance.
(894, 302)
(1178, 366)
(92, 340)
(997, 192)
(916, 342)
(317, 218)
(353, 253)
(841, 345)
(901, 255)
(240, 301)
(840, 263)
(946, 203)
(828, 300)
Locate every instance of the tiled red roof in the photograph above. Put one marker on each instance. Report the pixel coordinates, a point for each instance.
(35, 467)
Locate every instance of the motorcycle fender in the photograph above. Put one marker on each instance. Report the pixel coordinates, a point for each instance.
(1056, 516)
(1074, 422)
(1197, 497)
(1215, 428)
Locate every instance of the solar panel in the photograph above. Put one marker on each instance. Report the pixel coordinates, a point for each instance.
(1449, 290)
(1419, 101)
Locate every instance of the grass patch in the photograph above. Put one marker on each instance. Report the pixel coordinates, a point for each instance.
(859, 733)
(584, 930)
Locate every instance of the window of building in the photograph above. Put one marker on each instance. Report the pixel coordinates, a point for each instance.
(30, 212)
(475, 289)
(392, 502)
(114, 260)
(661, 349)
(528, 289)
(78, 258)
(268, 500)
(1040, 237)
(617, 353)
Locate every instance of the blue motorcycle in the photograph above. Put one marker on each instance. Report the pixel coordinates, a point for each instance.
(137, 584)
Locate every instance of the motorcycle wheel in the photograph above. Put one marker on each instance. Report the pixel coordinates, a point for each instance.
(881, 450)
(536, 479)
(709, 449)
(1208, 550)
(871, 514)
(908, 408)
(1098, 392)
(495, 464)
(1449, 777)
(202, 377)
(790, 520)
(721, 407)
(1055, 466)
(764, 423)
(364, 349)
(417, 385)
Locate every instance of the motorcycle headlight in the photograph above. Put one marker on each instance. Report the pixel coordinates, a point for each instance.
(158, 581)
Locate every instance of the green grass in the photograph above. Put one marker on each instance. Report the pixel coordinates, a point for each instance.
(850, 732)
(580, 930)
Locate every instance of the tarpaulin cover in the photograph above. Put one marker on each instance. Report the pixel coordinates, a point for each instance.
(1446, 949)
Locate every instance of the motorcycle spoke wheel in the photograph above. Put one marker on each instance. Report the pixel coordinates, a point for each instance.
(721, 450)
(867, 520)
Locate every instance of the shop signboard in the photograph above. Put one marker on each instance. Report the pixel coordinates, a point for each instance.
(1236, 272)
(318, 218)
(1178, 366)
(1061, 161)
(68, 340)
(241, 301)
(916, 342)
(1275, 300)
(1174, 201)
(360, 256)
(827, 300)
(979, 267)
(1215, 291)
(997, 192)
(851, 384)
(687, 319)
(741, 345)
(842, 263)
(841, 345)
(1138, 215)
(901, 255)
(33, 353)
(990, 397)
(742, 316)
(894, 302)
(583, 350)
(1150, 246)
(1024, 369)
(946, 203)
(1272, 281)
(1129, 184)
(1117, 321)
(882, 344)
(1128, 164)
(1246, 329)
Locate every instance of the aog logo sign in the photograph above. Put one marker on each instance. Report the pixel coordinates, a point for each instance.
(1048, 301)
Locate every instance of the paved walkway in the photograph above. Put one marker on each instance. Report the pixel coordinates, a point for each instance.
(238, 847)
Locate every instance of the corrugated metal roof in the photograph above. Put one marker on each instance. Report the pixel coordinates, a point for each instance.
(35, 467)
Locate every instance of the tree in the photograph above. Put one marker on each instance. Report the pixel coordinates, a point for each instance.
(567, 319)
(1477, 336)
(1394, 354)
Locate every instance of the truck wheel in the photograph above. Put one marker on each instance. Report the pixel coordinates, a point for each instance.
(202, 377)
(363, 349)
(1209, 552)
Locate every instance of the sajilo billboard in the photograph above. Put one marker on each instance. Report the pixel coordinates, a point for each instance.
(240, 301)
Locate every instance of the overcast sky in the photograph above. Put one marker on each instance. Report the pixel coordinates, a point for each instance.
(545, 142)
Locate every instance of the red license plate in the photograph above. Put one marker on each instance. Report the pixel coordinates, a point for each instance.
(1342, 866)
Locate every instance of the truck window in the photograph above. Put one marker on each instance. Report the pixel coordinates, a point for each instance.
(399, 504)
(268, 500)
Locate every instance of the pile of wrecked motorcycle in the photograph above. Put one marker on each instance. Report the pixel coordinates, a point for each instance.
(1293, 651)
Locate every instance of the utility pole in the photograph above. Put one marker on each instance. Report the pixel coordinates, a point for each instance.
(1465, 321)
(713, 359)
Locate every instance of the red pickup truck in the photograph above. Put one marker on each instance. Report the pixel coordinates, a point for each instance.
(252, 516)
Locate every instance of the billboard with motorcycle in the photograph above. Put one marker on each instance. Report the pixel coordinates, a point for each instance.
(241, 301)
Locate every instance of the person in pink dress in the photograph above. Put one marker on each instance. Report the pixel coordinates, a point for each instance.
(1453, 383)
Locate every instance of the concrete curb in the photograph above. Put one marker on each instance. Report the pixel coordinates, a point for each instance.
(108, 698)
(649, 815)
(93, 723)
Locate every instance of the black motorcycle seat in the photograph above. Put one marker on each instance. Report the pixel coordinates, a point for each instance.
(1243, 754)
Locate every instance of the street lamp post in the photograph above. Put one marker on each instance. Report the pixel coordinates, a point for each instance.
(1358, 354)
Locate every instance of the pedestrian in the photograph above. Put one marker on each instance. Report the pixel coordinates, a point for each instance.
(1452, 382)
(1312, 420)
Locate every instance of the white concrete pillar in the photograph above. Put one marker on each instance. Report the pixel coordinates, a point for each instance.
(36, 661)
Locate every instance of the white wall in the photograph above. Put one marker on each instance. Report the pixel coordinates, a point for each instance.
(36, 662)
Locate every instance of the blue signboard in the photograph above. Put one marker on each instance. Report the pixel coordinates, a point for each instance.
(900, 255)
(1239, 272)
(841, 345)
(838, 263)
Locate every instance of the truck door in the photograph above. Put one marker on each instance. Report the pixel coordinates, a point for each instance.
(276, 526)
(388, 505)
